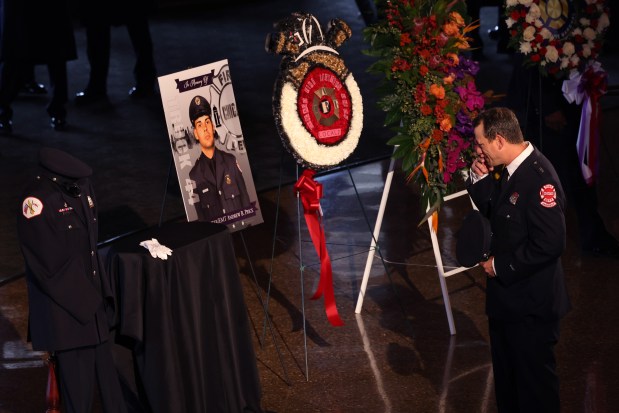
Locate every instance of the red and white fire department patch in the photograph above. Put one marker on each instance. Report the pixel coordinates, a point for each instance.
(548, 194)
(31, 207)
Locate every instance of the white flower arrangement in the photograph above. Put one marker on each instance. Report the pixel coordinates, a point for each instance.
(559, 44)
(305, 145)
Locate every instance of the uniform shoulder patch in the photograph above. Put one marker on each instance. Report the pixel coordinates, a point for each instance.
(31, 207)
(548, 196)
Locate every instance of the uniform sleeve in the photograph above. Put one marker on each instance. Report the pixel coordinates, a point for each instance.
(52, 262)
(241, 184)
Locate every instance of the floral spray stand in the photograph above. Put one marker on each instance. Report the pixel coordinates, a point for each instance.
(318, 112)
(442, 274)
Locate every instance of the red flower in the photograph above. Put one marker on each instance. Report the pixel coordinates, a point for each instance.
(437, 135)
(405, 39)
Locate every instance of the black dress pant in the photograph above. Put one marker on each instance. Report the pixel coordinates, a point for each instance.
(13, 74)
(524, 366)
(98, 43)
(79, 370)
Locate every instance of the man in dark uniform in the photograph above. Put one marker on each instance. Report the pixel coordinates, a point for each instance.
(70, 300)
(526, 294)
(217, 175)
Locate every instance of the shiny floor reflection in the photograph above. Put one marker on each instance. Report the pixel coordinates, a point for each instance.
(395, 355)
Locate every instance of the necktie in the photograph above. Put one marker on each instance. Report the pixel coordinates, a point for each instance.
(504, 178)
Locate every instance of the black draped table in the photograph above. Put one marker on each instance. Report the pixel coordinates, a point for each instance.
(186, 319)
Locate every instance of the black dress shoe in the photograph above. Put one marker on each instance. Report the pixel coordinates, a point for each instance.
(86, 97)
(34, 88)
(58, 123)
(6, 126)
(142, 92)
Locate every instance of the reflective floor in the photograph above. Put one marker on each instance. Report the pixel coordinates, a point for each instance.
(397, 354)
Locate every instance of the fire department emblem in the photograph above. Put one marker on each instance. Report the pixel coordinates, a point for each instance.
(317, 104)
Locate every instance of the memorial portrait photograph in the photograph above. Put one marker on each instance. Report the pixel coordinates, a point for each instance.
(208, 146)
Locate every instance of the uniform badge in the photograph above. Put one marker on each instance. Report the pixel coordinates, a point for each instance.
(90, 203)
(65, 209)
(31, 207)
(514, 198)
(228, 180)
(548, 196)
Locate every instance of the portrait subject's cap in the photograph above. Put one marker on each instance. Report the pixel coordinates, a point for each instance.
(62, 163)
(199, 106)
(474, 236)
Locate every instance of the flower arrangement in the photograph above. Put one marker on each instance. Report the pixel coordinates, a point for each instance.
(559, 36)
(429, 91)
(317, 105)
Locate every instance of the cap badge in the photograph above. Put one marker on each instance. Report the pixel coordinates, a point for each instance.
(197, 100)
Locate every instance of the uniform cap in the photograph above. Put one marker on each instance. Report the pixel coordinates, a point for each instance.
(474, 236)
(199, 106)
(62, 163)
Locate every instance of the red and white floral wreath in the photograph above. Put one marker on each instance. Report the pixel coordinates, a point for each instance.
(317, 104)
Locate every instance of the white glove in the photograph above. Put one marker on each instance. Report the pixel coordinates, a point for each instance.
(156, 249)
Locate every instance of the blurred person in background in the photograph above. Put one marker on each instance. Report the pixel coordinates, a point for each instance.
(35, 32)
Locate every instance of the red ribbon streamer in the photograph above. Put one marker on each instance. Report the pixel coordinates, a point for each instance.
(311, 192)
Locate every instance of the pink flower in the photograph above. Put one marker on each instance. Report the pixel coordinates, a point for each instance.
(471, 97)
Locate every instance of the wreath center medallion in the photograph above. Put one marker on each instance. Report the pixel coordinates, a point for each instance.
(325, 106)
(557, 16)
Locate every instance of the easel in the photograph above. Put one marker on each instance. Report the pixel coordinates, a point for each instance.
(257, 291)
(435, 246)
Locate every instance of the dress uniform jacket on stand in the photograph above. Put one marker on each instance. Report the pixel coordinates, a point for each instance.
(71, 305)
(222, 193)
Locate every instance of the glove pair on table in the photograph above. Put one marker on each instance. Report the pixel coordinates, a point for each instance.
(156, 249)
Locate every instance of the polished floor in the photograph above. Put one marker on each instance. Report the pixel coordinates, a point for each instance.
(398, 353)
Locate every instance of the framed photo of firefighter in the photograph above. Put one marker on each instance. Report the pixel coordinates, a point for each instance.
(208, 146)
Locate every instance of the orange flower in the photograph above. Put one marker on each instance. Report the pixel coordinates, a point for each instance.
(445, 124)
(455, 17)
(448, 80)
(451, 29)
(453, 59)
(437, 91)
(426, 110)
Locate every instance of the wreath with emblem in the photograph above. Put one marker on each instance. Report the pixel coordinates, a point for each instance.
(558, 36)
(317, 104)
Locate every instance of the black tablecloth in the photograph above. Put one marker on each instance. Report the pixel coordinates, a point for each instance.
(187, 319)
